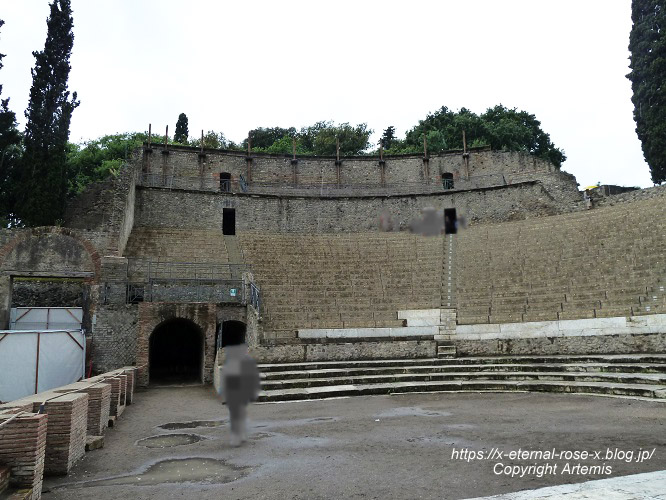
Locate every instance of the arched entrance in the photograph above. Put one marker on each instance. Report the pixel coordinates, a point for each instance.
(176, 352)
(231, 333)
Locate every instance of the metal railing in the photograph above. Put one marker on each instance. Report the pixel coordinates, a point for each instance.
(150, 270)
(255, 297)
(219, 291)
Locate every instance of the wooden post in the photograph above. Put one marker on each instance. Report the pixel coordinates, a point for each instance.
(166, 138)
(381, 151)
(249, 157)
(426, 160)
(293, 147)
(149, 134)
(338, 165)
(202, 141)
(465, 155)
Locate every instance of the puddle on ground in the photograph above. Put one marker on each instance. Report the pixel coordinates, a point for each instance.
(442, 440)
(321, 419)
(259, 435)
(169, 440)
(191, 425)
(184, 470)
(411, 411)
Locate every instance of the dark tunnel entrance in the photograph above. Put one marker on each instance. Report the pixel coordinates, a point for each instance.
(231, 333)
(176, 352)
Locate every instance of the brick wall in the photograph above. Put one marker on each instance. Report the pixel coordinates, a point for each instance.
(114, 336)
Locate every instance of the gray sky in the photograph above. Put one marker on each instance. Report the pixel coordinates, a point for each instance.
(234, 66)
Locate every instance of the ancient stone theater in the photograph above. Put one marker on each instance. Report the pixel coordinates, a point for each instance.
(316, 260)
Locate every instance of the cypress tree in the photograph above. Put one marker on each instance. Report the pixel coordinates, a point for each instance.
(10, 140)
(181, 133)
(647, 44)
(43, 176)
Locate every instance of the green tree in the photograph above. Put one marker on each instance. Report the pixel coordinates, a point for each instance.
(43, 176)
(214, 140)
(647, 44)
(263, 138)
(499, 127)
(320, 138)
(389, 140)
(10, 153)
(181, 134)
(95, 160)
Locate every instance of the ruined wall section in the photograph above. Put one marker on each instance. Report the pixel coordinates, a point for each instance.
(656, 193)
(105, 210)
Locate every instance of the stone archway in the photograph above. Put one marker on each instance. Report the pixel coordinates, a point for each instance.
(177, 322)
(176, 352)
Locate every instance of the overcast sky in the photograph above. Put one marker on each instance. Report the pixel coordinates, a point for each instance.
(234, 66)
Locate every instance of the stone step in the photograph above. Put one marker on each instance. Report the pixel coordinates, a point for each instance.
(648, 391)
(446, 351)
(476, 360)
(623, 368)
(617, 378)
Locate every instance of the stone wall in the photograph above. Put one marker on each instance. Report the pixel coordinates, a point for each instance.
(183, 161)
(344, 351)
(615, 335)
(598, 344)
(203, 210)
(114, 337)
(49, 293)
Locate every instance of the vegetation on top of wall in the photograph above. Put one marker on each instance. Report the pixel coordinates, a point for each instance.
(500, 128)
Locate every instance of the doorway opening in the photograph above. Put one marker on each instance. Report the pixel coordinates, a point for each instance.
(229, 221)
(231, 333)
(450, 221)
(176, 351)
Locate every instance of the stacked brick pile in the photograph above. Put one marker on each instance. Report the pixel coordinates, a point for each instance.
(66, 433)
(4, 478)
(34, 444)
(130, 372)
(123, 389)
(99, 400)
(22, 449)
(117, 392)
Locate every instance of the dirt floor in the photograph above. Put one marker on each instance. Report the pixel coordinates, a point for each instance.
(173, 443)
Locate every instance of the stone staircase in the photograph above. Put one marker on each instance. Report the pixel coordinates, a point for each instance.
(638, 375)
(605, 262)
(177, 245)
(341, 281)
(448, 317)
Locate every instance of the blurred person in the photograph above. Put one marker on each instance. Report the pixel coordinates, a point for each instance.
(240, 386)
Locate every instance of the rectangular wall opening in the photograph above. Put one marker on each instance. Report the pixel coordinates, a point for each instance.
(229, 221)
